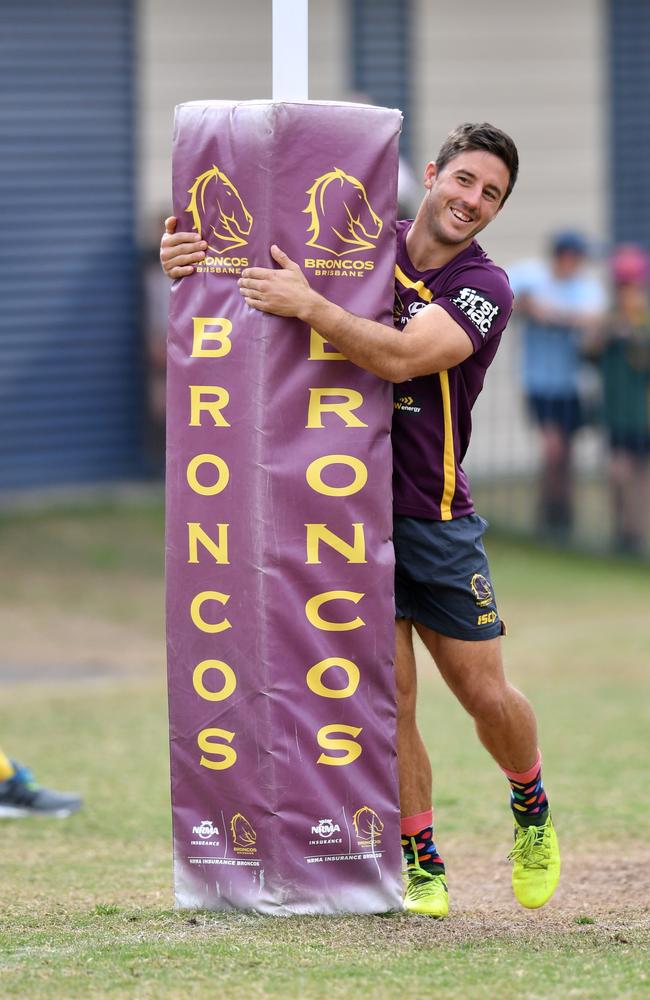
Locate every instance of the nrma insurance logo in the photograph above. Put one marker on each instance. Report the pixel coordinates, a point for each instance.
(220, 216)
(342, 225)
(325, 828)
(324, 833)
(208, 832)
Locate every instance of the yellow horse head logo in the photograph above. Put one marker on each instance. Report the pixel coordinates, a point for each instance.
(243, 834)
(341, 217)
(218, 212)
(368, 827)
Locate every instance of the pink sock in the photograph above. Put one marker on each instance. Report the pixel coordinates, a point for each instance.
(523, 777)
(528, 799)
(410, 825)
(418, 844)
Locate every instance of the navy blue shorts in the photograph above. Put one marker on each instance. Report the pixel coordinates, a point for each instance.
(442, 577)
(563, 412)
(636, 444)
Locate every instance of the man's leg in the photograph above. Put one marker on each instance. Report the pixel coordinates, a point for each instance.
(628, 487)
(412, 757)
(556, 486)
(504, 719)
(426, 890)
(506, 725)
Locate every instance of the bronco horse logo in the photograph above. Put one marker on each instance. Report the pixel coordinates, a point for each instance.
(368, 827)
(218, 212)
(342, 220)
(243, 835)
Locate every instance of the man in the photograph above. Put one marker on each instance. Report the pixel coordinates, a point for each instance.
(452, 304)
(557, 301)
(21, 796)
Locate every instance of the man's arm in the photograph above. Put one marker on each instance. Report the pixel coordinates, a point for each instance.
(431, 342)
(528, 307)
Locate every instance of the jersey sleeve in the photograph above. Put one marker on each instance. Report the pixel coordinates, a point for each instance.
(479, 299)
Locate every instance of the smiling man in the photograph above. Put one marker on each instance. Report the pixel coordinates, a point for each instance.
(452, 304)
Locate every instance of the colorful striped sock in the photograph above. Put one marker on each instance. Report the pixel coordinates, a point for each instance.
(7, 770)
(528, 799)
(417, 837)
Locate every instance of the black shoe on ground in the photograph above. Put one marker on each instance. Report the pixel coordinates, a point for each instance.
(20, 796)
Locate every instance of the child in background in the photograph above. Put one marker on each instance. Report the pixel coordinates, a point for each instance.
(621, 347)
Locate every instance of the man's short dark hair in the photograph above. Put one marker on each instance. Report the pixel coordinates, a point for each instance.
(483, 137)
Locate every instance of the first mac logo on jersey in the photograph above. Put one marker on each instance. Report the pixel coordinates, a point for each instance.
(220, 216)
(342, 222)
(478, 308)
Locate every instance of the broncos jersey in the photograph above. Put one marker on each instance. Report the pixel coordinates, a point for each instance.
(432, 422)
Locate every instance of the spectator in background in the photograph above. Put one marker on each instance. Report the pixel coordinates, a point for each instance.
(557, 301)
(621, 346)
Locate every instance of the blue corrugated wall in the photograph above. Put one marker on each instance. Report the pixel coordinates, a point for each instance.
(70, 369)
(381, 49)
(629, 47)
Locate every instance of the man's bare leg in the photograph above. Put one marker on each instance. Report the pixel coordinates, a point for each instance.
(504, 719)
(506, 726)
(426, 891)
(412, 757)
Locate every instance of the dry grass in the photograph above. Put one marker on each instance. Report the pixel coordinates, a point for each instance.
(85, 905)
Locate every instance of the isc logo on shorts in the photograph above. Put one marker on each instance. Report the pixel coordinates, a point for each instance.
(487, 619)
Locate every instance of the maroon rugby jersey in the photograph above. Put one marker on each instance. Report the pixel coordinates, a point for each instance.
(432, 422)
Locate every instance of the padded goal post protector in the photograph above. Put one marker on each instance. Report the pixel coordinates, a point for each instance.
(279, 557)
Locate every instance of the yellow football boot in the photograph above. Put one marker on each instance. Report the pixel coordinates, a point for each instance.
(535, 864)
(425, 892)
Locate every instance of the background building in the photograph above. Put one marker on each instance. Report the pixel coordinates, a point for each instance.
(87, 113)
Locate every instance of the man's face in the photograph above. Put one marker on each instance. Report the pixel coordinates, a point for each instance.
(465, 195)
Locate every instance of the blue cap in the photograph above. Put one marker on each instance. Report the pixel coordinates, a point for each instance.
(569, 241)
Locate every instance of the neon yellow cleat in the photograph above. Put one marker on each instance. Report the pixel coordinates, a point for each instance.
(425, 892)
(535, 864)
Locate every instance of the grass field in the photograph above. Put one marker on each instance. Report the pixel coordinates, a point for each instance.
(86, 904)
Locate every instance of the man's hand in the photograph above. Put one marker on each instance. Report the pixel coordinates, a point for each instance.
(180, 251)
(284, 293)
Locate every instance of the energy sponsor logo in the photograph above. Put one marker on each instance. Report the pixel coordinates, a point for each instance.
(220, 216)
(406, 404)
(479, 309)
(244, 837)
(482, 590)
(368, 827)
(342, 223)
(207, 832)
